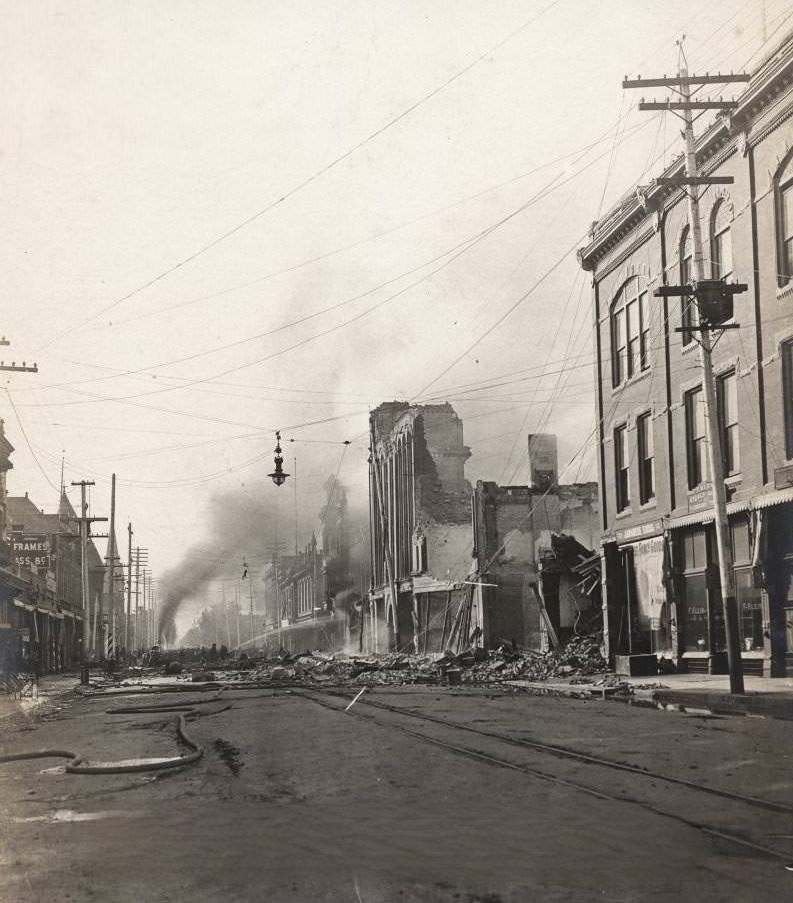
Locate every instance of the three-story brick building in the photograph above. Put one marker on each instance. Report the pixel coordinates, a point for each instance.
(662, 594)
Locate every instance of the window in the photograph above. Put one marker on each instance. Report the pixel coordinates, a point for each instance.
(787, 394)
(688, 317)
(783, 204)
(721, 240)
(696, 441)
(644, 432)
(727, 400)
(622, 467)
(630, 332)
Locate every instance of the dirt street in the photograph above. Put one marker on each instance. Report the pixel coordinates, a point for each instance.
(413, 794)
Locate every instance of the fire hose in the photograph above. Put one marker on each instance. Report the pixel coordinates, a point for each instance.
(78, 765)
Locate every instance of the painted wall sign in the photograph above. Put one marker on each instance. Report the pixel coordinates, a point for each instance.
(31, 551)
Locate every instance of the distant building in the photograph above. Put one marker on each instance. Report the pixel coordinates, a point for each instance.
(47, 556)
(658, 543)
(312, 597)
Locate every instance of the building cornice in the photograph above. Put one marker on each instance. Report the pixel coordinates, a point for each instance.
(768, 82)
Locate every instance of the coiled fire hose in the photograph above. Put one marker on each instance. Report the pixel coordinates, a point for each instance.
(78, 765)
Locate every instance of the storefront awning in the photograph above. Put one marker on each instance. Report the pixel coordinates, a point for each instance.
(758, 501)
(20, 604)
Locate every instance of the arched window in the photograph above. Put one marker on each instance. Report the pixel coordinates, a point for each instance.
(685, 255)
(630, 330)
(783, 209)
(721, 240)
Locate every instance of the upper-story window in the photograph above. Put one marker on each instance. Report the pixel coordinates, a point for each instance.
(696, 438)
(689, 313)
(727, 399)
(622, 478)
(787, 394)
(783, 204)
(644, 438)
(721, 240)
(630, 331)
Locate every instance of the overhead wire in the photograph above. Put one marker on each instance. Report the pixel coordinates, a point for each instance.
(317, 174)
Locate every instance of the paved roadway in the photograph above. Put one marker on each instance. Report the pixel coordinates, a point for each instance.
(414, 794)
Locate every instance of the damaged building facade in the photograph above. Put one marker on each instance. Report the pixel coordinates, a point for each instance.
(454, 567)
(420, 520)
(662, 592)
(527, 540)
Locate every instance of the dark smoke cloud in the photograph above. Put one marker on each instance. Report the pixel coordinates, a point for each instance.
(240, 525)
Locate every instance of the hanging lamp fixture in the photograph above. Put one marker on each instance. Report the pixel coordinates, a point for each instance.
(279, 475)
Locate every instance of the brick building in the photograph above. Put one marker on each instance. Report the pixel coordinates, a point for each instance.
(526, 538)
(658, 546)
(420, 519)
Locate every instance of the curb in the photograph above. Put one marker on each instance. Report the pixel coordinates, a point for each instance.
(748, 704)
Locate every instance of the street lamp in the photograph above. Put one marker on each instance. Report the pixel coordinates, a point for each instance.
(278, 476)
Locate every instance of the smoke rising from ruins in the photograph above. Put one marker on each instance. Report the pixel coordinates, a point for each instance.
(242, 526)
(245, 527)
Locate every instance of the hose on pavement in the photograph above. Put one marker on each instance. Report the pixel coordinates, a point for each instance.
(78, 765)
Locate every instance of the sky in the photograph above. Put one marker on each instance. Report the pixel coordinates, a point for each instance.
(227, 218)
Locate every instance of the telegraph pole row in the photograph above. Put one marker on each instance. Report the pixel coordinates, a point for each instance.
(85, 530)
(712, 300)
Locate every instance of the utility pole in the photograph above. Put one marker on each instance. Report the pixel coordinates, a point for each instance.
(713, 300)
(129, 590)
(85, 530)
(141, 558)
(111, 563)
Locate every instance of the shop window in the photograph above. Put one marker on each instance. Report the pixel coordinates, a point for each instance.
(787, 394)
(783, 214)
(689, 316)
(622, 467)
(630, 330)
(644, 432)
(721, 240)
(727, 400)
(696, 441)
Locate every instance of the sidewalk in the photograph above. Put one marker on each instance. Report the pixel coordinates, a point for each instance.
(765, 696)
(49, 687)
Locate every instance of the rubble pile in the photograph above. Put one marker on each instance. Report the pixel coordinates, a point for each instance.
(580, 657)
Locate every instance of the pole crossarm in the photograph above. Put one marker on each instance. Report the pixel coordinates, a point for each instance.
(674, 291)
(16, 368)
(688, 104)
(679, 181)
(707, 79)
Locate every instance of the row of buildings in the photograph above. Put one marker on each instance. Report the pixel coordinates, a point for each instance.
(455, 565)
(42, 617)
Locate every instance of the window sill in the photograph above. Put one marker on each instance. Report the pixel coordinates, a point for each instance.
(637, 378)
(621, 515)
(786, 291)
(649, 505)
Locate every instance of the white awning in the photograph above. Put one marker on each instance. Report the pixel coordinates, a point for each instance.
(766, 500)
(20, 604)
